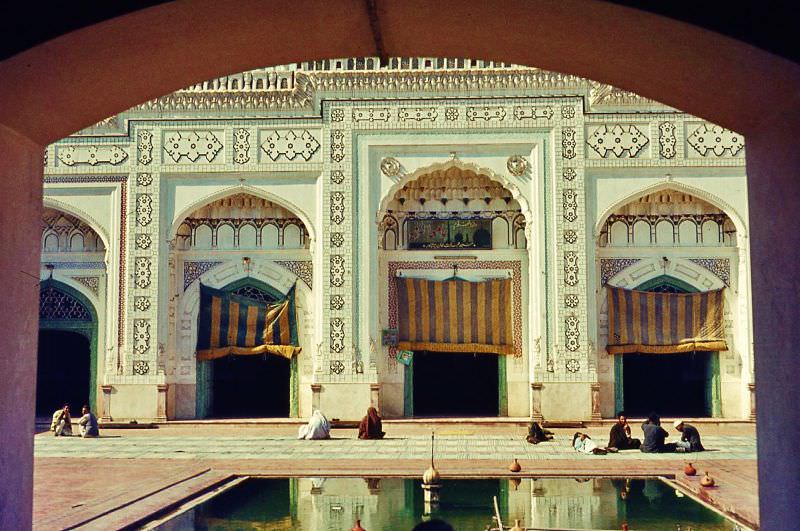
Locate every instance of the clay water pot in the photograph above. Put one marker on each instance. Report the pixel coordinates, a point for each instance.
(707, 481)
(689, 470)
(515, 466)
(516, 527)
(357, 527)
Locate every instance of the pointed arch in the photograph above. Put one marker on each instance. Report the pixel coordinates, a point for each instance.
(677, 186)
(242, 189)
(55, 204)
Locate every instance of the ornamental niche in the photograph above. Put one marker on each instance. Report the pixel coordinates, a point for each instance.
(449, 209)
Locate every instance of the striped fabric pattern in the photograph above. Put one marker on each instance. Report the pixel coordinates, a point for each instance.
(229, 324)
(455, 315)
(665, 323)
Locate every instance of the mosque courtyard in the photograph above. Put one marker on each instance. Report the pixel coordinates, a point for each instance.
(167, 466)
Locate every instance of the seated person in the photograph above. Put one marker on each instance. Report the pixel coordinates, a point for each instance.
(690, 437)
(654, 436)
(584, 444)
(371, 426)
(318, 427)
(62, 422)
(537, 434)
(88, 423)
(620, 436)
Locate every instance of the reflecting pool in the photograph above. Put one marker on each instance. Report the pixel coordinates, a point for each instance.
(334, 504)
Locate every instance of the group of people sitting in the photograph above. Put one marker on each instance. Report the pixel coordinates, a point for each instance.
(62, 423)
(318, 427)
(654, 438)
(620, 437)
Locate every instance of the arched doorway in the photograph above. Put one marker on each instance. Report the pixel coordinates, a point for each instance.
(429, 220)
(688, 241)
(673, 385)
(248, 386)
(67, 357)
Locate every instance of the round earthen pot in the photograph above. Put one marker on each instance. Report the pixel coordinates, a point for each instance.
(357, 527)
(707, 481)
(515, 466)
(689, 470)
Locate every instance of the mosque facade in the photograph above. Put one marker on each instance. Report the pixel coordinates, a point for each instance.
(341, 182)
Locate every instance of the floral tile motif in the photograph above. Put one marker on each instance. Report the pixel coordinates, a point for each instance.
(721, 267)
(611, 266)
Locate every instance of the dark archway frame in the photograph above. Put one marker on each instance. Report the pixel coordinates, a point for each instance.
(88, 329)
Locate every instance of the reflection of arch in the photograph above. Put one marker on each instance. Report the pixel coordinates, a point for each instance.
(62, 307)
(464, 166)
(242, 189)
(741, 229)
(266, 274)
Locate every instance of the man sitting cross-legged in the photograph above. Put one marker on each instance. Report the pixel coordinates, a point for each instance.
(620, 436)
(690, 437)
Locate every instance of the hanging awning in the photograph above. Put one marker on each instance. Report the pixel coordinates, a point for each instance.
(230, 324)
(455, 315)
(665, 323)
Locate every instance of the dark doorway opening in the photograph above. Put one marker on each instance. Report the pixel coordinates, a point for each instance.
(251, 386)
(63, 371)
(672, 385)
(455, 384)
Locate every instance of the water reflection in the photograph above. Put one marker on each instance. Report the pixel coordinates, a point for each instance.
(318, 504)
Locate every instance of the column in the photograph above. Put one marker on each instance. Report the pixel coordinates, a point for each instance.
(596, 402)
(21, 168)
(536, 402)
(105, 411)
(375, 395)
(773, 167)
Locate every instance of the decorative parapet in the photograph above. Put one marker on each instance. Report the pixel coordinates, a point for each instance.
(299, 87)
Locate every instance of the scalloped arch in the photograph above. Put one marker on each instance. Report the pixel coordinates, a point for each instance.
(731, 212)
(464, 166)
(242, 189)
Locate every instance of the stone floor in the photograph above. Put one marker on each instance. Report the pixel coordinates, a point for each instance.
(129, 474)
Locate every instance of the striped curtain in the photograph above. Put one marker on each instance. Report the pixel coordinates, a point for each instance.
(665, 323)
(230, 324)
(454, 315)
